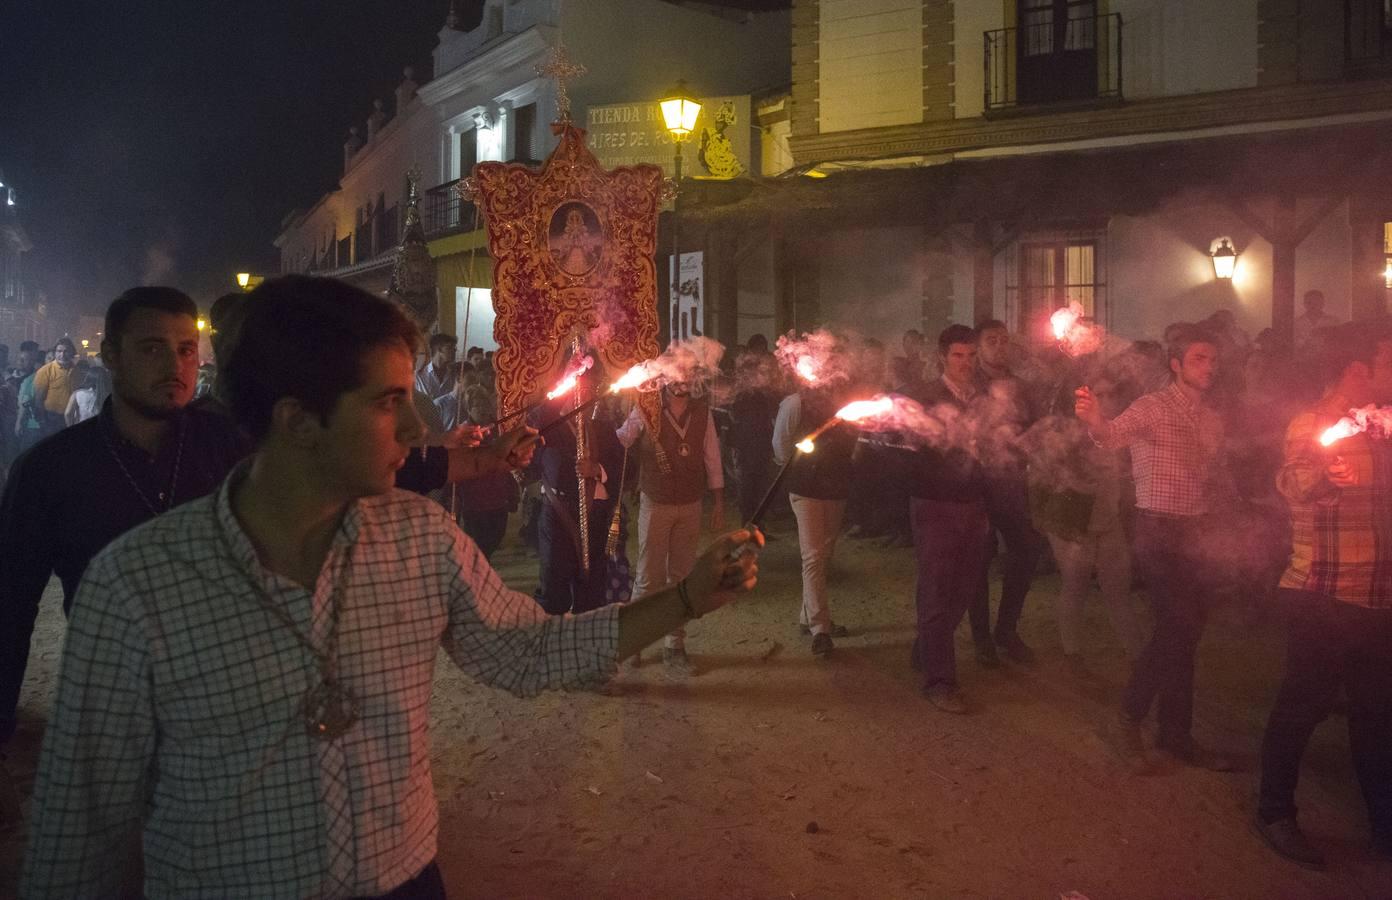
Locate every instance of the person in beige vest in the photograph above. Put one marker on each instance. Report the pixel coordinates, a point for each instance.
(676, 468)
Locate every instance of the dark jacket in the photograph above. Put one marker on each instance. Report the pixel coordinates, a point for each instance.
(948, 470)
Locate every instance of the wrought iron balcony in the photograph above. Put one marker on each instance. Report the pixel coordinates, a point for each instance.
(444, 212)
(1056, 60)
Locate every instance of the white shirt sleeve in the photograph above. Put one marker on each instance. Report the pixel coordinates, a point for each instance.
(784, 439)
(632, 428)
(715, 468)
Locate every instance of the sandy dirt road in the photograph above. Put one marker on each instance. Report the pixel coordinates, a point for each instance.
(773, 775)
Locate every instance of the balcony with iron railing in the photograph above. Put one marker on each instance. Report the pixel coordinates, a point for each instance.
(1063, 61)
(444, 212)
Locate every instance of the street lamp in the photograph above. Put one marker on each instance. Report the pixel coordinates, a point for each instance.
(243, 279)
(1224, 260)
(680, 111)
(202, 323)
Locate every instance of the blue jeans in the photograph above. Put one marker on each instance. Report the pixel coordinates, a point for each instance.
(1169, 551)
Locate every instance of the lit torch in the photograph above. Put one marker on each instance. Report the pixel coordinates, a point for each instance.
(806, 369)
(857, 411)
(1064, 319)
(568, 382)
(1344, 428)
(638, 375)
(634, 377)
(572, 378)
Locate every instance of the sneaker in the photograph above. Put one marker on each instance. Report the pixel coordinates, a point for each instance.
(986, 656)
(676, 662)
(822, 645)
(836, 630)
(947, 698)
(1124, 737)
(1016, 650)
(1200, 757)
(1285, 837)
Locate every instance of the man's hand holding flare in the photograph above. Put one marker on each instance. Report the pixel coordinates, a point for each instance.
(1086, 409)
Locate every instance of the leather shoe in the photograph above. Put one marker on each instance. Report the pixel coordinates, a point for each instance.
(836, 630)
(947, 698)
(986, 656)
(1285, 837)
(822, 645)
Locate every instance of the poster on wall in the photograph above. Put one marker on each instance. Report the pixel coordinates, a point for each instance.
(688, 296)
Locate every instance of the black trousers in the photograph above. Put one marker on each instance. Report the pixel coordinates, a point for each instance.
(486, 528)
(1169, 553)
(754, 477)
(1007, 506)
(565, 587)
(1330, 645)
(428, 885)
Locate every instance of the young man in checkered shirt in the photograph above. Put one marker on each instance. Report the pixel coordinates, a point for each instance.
(246, 681)
(1176, 443)
(1337, 593)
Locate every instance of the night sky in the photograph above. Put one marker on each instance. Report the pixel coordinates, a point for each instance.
(162, 142)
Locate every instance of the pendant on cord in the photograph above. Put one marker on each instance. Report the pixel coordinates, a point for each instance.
(329, 710)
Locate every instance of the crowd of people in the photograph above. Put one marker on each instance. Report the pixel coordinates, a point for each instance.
(264, 549)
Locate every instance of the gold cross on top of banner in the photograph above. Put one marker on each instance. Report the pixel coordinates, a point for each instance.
(560, 69)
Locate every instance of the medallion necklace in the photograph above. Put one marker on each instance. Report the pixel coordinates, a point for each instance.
(330, 707)
(168, 497)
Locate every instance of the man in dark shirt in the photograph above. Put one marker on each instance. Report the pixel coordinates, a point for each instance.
(948, 514)
(75, 492)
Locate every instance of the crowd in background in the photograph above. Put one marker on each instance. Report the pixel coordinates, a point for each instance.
(1161, 462)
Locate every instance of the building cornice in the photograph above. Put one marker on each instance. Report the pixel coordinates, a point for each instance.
(530, 45)
(1198, 112)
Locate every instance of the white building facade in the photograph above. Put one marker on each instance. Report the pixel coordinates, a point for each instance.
(486, 101)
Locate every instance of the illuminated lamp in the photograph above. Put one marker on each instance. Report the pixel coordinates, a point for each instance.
(1224, 260)
(680, 111)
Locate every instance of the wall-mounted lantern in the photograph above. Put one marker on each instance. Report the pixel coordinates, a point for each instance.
(1224, 260)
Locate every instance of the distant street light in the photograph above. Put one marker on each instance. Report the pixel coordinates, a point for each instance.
(243, 279)
(1224, 260)
(680, 111)
(202, 325)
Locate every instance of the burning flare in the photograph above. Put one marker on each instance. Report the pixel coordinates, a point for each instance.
(572, 378)
(634, 377)
(1344, 428)
(865, 409)
(806, 369)
(1065, 318)
(855, 411)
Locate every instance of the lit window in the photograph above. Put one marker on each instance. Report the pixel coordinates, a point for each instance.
(1387, 251)
(1050, 272)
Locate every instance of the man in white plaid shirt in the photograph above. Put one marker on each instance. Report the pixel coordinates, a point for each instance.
(246, 681)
